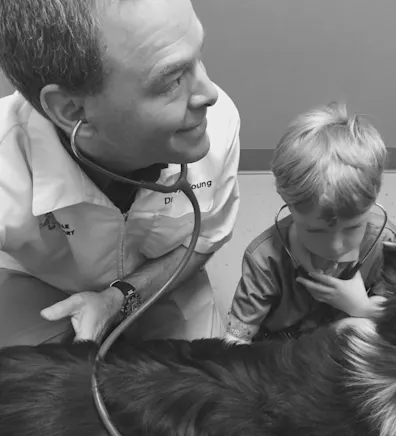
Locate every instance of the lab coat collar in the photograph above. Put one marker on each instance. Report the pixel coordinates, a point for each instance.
(58, 181)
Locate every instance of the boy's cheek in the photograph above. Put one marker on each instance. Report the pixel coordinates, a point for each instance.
(311, 243)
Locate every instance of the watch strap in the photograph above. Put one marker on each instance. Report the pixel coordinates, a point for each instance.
(124, 287)
(132, 300)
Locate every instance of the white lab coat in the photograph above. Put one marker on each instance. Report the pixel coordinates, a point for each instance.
(56, 225)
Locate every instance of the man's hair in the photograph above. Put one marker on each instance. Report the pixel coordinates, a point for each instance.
(330, 159)
(51, 42)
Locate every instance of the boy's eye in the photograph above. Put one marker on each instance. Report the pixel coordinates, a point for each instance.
(315, 230)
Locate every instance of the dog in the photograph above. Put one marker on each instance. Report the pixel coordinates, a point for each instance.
(339, 380)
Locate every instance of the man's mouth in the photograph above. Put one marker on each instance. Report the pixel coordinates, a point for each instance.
(194, 126)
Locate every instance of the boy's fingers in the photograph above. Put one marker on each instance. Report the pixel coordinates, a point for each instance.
(323, 278)
(314, 287)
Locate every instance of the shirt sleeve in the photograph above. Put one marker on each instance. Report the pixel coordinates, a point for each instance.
(253, 299)
(217, 228)
(383, 282)
(15, 200)
(381, 264)
(8, 262)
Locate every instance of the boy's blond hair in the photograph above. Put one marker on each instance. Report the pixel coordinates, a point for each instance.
(331, 159)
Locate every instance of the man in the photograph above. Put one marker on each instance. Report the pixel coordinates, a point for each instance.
(131, 73)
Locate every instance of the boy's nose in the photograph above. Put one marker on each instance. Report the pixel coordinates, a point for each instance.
(336, 244)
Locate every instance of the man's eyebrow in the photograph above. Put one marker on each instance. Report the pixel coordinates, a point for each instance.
(172, 69)
(168, 71)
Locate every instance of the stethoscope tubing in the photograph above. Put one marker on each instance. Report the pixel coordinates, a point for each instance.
(182, 185)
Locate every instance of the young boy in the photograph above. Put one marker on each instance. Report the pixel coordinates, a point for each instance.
(328, 170)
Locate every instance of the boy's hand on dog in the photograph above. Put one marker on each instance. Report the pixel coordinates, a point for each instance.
(91, 313)
(350, 296)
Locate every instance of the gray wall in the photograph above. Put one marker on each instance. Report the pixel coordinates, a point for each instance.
(5, 86)
(281, 57)
(278, 58)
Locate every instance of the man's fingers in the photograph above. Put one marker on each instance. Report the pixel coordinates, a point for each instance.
(83, 337)
(88, 329)
(62, 309)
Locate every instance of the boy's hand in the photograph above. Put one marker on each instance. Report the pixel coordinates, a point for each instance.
(349, 296)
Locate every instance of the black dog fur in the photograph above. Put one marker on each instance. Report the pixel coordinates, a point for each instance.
(335, 382)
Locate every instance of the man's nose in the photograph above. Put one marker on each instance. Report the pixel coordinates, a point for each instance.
(204, 92)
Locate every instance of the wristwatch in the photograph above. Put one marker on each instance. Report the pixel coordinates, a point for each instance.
(132, 299)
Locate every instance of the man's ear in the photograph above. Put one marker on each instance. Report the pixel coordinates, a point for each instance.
(64, 110)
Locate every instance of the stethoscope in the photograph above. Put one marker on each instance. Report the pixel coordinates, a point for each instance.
(182, 185)
(348, 272)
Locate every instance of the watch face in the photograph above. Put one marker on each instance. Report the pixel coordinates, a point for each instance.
(131, 304)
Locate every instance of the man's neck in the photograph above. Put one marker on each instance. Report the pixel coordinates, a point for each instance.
(102, 180)
(121, 194)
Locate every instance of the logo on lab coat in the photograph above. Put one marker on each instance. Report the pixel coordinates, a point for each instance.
(67, 230)
(51, 223)
(199, 185)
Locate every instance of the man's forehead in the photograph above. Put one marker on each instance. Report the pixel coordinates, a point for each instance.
(180, 60)
(135, 30)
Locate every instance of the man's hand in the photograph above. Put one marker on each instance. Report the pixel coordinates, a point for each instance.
(91, 313)
(349, 296)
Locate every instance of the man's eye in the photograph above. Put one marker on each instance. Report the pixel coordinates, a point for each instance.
(173, 85)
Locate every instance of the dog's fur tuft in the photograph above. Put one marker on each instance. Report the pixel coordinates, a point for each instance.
(338, 381)
(178, 388)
